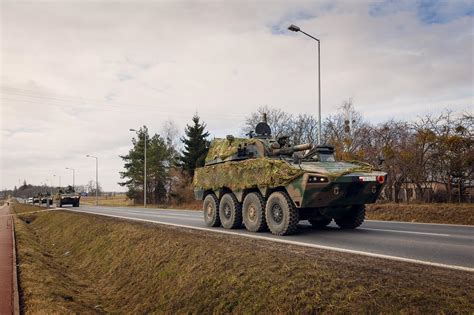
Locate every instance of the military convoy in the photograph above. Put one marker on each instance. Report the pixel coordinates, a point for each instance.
(41, 198)
(264, 183)
(68, 196)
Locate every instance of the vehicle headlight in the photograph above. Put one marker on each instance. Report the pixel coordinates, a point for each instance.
(317, 179)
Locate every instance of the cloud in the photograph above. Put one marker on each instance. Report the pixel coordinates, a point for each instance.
(427, 11)
(75, 76)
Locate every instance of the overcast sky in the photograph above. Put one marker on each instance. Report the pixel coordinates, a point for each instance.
(76, 75)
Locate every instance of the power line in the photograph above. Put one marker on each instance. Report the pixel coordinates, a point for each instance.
(109, 104)
(114, 108)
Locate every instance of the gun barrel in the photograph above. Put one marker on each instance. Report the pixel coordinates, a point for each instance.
(302, 147)
(291, 150)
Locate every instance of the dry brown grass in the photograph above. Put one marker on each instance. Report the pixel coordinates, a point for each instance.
(447, 213)
(23, 208)
(119, 200)
(84, 264)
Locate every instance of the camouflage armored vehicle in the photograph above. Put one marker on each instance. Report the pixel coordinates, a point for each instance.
(43, 198)
(68, 196)
(263, 182)
(36, 198)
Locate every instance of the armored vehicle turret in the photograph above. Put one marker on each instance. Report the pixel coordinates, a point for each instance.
(264, 183)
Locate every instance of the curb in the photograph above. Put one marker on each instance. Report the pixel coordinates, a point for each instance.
(16, 296)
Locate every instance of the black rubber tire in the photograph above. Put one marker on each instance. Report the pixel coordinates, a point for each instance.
(320, 223)
(60, 205)
(210, 208)
(352, 219)
(230, 212)
(281, 215)
(253, 212)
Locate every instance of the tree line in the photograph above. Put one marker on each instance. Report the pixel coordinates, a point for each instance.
(420, 156)
(431, 158)
(28, 190)
(169, 172)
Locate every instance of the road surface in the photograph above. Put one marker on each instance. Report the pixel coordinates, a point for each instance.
(450, 246)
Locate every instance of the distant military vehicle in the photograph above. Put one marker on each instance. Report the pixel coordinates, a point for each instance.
(68, 196)
(41, 198)
(36, 198)
(263, 182)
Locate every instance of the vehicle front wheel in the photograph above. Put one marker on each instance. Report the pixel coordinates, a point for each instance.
(230, 212)
(253, 212)
(281, 215)
(210, 206)
(353, 219)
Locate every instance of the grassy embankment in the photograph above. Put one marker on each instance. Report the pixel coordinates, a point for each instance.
(81, 263)
(447, 213)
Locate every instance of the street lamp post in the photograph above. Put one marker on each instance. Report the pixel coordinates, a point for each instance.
(295, 28)
(144, 169)
(96, 178)
(73, 177)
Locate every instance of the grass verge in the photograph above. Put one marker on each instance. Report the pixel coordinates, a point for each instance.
(121, 200)
(82, 263)
(446, 213)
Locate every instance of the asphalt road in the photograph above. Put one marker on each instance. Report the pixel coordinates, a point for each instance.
(450, 246)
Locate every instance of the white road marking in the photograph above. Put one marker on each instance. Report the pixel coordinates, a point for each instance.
(159, 213)
(382, 221)
(170, 215)
(166, 213)
(406, 232)
(284, 241)
(173, 217)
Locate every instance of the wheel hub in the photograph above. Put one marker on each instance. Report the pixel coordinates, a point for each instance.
(209, 211)
(252, 214)
(227, 211)
(277, 213)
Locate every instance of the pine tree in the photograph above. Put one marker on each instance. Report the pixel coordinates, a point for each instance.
(159, 160)
(195, 146)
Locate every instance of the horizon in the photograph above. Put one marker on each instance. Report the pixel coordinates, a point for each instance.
(75, 77)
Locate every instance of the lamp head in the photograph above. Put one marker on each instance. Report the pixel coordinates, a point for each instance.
(294, 28)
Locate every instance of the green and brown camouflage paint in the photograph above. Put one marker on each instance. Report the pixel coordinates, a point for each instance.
(345, 183)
